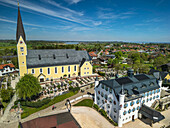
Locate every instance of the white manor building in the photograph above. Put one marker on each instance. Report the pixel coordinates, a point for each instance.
(6, 69)
(127, 98)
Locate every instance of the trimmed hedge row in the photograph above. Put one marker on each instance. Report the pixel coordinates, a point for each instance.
(37, 104)
(96, 107)
(29, 111)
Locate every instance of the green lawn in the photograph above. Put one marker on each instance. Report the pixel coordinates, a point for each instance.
(29, 110)
(86, 102)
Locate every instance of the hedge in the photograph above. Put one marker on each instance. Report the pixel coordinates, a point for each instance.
(37, 104)
(101, 73)
(29, 111)
(96, 107)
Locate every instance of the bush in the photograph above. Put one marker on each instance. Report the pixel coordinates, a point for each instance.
(96, 107)
(101, 73)
(29, 111)
(71, 88)
(70, 82)
(103, 113)
(37, 104)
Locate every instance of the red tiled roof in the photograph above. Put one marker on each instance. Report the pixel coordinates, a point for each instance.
(93, 54)
(10, 65)
(61, 120)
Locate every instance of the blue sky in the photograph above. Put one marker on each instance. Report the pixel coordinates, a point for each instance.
(95, 20)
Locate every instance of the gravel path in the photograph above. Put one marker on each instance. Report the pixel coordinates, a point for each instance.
(90, 118)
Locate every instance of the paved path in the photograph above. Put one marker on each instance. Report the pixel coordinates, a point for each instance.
(89, 118)
(7, 110)
(9, 120)
(59, 106)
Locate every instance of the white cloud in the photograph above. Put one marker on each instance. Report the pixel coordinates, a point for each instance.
(64, 15)
(64, 8)
(80, 29)
(73, 1)
(154, 20)
(96, 23)
(11, 21)
(109, 14)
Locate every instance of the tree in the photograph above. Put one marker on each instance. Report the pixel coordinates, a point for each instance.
(159, 61)
(110, 61)
(15, 61)
(118, 54)
(6, 94)
(28, 86)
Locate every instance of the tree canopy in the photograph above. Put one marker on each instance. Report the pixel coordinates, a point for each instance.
(159, 60)
(28, 86)
(6, 94)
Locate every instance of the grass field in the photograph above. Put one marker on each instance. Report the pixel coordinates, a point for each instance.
(86, 102)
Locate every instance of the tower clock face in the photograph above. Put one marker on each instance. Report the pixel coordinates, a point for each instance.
(21, 42)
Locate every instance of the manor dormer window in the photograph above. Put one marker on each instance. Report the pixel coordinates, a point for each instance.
(151, 84)
(143, 86)
(135, 88)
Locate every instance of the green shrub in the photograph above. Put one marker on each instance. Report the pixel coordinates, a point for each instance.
(70, 82)
(29, 111)
(103, 113)
(101, 73)
(71, 88)
(37, 104)
(96, 107)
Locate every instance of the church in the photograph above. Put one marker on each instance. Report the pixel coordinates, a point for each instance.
(50, 64)
(128, 98)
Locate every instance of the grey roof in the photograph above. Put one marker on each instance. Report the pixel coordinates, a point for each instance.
(162, 74)
(135, 85)
(55, 57)
(20, 28)
(151, 113)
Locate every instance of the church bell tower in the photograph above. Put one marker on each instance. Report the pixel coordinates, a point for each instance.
(21, 45)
